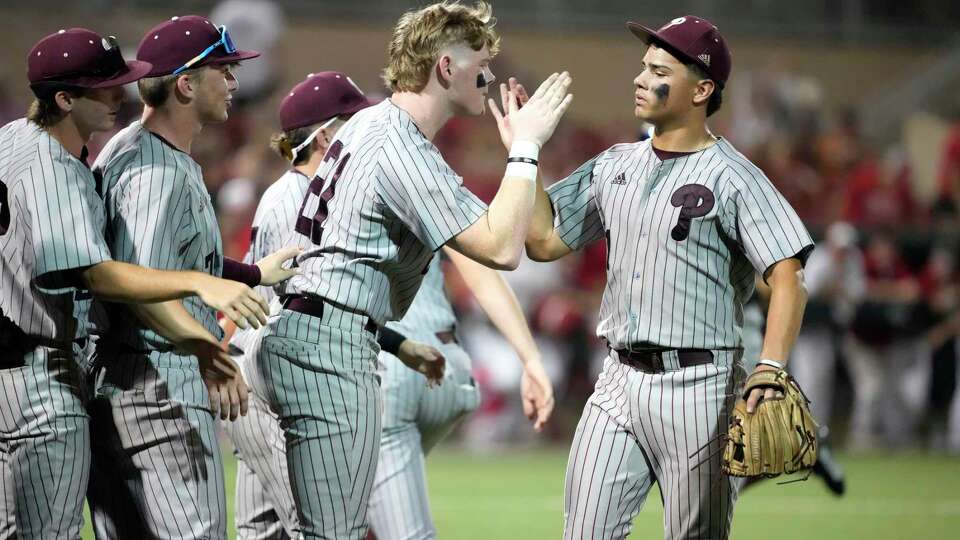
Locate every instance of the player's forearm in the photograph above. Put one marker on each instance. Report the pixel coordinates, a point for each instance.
(541, 220)
(543, 243)
(172, 321)
(788, 298)
(507, 220)
(498, 301)
(117, 281)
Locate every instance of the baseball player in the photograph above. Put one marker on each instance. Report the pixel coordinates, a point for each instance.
(310, 116)
(53, 257)
(688, 220)
(154, 432)
(382, 203)
(417, 415)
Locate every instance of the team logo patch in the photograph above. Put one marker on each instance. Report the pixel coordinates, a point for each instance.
(694, 201)
(675, 22)
(620, 179)
(705, 58)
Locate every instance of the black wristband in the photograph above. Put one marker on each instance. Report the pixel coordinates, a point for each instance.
(390, 340)
(523, 160)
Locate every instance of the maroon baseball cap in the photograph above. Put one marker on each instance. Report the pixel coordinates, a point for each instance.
(691, 39)
(82, 58)
(320, 97)
(171, 44)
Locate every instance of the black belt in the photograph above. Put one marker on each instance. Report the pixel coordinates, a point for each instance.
(14, 353)
(314, 307)
(447, 336)
(651, 360)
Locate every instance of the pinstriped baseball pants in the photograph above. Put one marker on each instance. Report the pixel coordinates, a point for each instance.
(415, 419)
(319, 377)
(638, 429)
(157, 470)
(264, 503)
(44, 446)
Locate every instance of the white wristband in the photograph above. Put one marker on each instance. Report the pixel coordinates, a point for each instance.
(771, 363)
(527, 171)
(524, 149)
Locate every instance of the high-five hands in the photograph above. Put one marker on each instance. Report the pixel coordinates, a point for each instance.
(537, 118)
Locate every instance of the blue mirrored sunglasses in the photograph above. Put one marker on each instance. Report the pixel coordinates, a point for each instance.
(224, 40)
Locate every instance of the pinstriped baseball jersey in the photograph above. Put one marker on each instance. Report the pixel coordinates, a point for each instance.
(159, 215)
(430, 311)
(273, 220)
(684, 238)
(51, 221)
(392, 201)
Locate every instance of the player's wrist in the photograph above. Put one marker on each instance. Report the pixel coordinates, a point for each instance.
(196, 282)
(769, 363)
(523, 160)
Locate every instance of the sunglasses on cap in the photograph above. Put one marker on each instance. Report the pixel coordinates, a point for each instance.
(224, 40)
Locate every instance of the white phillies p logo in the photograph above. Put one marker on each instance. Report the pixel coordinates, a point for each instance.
(675, 22)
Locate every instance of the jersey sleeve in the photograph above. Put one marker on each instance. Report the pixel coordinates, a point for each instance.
(761, 220)
(68, 222)
(424, 192)
(575, 212)
(153, 222)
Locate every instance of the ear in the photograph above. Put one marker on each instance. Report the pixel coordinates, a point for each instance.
(444, 72)
(185, 85)
(64, 100)
(702, 91)
(322, 141)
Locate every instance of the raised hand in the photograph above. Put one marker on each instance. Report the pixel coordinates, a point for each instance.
(514, 91)
(271, 266)
(236, 301)
(423, 359)
(536, 121)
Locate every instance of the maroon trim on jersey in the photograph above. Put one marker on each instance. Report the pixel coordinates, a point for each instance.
(667, 154)
(248, 274)
(164, 140)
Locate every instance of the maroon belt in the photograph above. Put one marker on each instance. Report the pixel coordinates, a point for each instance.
(314, 308)
(651, 360)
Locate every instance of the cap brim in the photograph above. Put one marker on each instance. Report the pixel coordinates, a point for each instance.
(650, 36)
(235, 56)
(136, 70)
(641, 31)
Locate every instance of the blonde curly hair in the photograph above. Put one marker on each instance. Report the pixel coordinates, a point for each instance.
(420, 35)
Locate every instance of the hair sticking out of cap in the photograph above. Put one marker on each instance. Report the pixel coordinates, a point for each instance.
(286, 149)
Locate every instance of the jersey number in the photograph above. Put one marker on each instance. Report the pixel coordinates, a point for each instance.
(4, 210)
(312, 226)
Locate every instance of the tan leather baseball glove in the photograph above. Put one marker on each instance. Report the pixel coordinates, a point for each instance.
(779, 437)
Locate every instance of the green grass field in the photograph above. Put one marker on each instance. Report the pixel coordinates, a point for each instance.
(519, 495)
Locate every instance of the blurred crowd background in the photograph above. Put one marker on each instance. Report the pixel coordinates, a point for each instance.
(851, 107)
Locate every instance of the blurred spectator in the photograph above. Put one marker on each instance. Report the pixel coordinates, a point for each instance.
(800, 183)
(950, 165)
(888, 359)
(878, 194)
(258, 25)
(836, 283)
